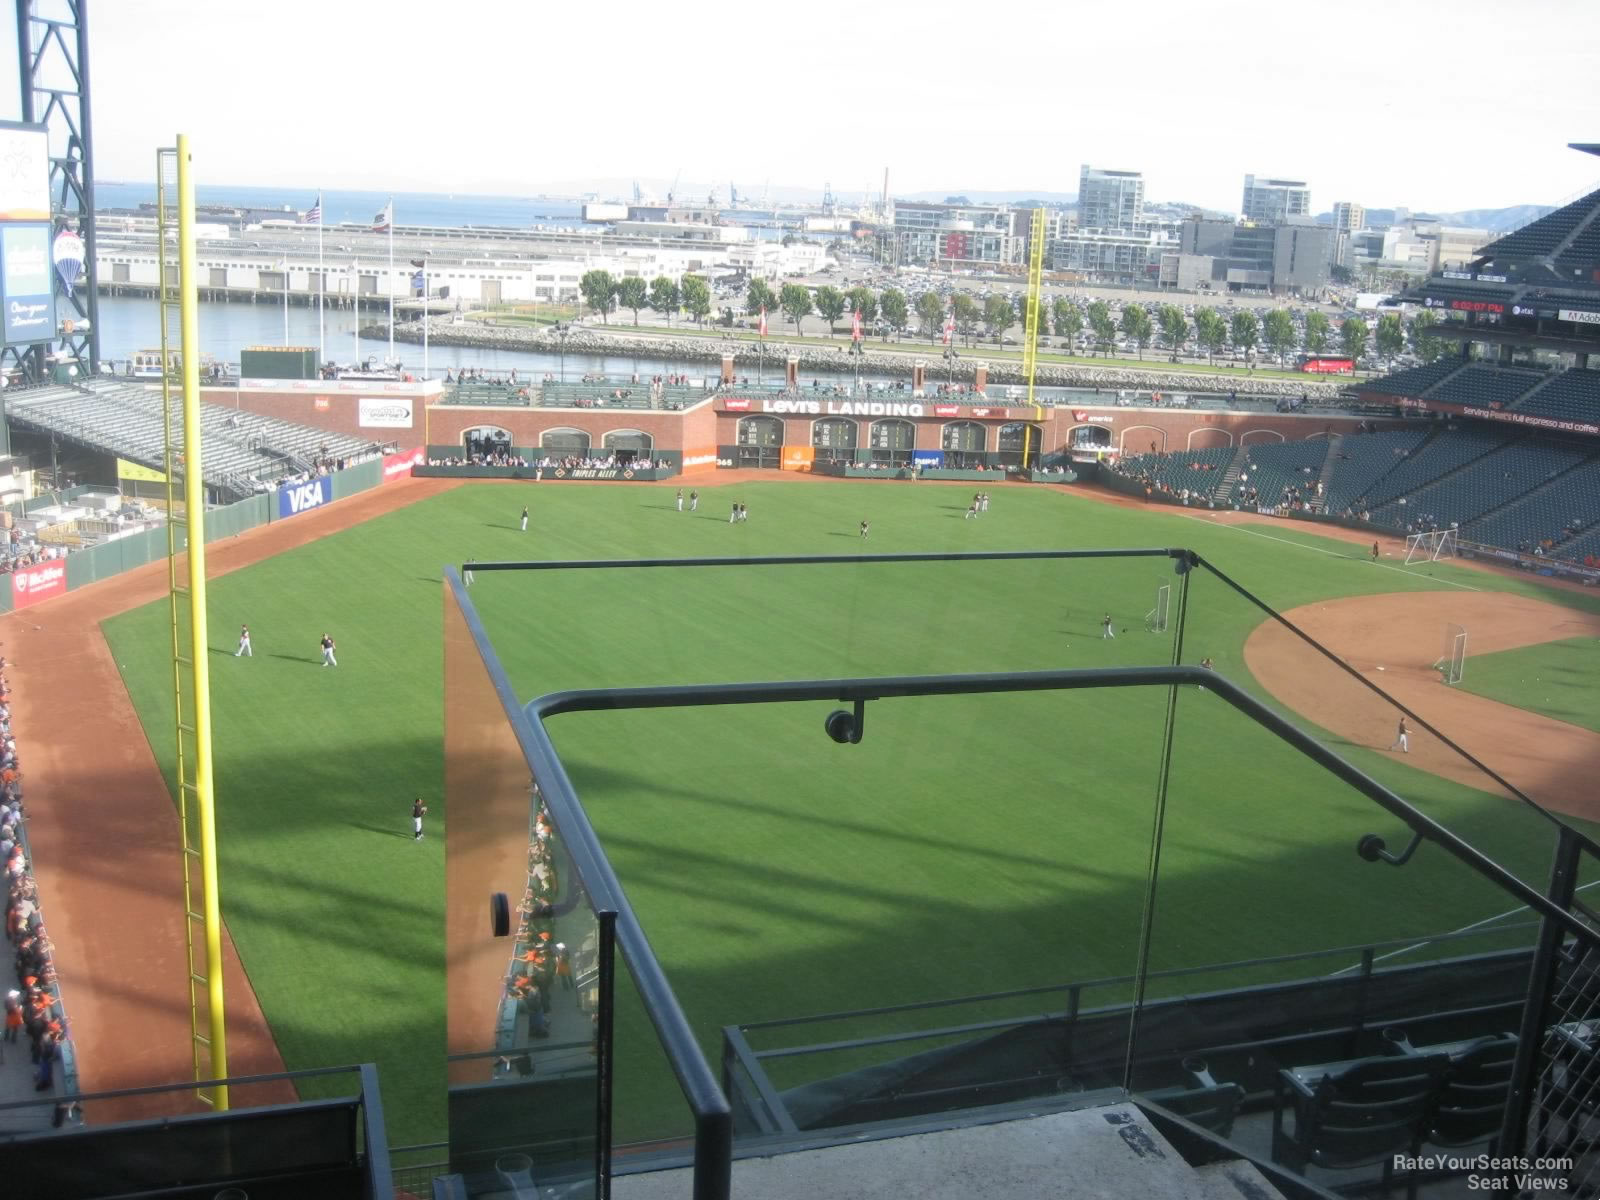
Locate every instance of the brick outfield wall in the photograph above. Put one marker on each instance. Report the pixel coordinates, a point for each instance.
(697, 432)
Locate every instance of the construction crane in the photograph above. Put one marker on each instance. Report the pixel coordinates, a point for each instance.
(1033, 308)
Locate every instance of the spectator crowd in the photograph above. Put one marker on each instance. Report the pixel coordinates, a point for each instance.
(540, 965)
(33, 1009)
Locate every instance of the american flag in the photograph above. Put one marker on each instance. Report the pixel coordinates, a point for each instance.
(763, 320)
(855, 326)
(313, 215)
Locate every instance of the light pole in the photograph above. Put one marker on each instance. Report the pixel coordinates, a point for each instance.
(563, 332)
(426, 312)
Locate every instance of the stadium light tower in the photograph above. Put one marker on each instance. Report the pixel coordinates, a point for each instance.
(53, 73)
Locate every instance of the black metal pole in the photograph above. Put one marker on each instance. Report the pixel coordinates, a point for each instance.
(1541, 987)
(86, 182)
(25, 60)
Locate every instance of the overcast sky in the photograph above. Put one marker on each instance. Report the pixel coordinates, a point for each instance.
(1433, 104)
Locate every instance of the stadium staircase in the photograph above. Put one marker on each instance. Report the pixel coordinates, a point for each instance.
(1324, 487)
(1230, 477)
(1115, 1150)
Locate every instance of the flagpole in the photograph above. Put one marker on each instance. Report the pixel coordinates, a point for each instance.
(286, 302)
(355, 276)
(322, 282)
(391, 280)
(425, 315)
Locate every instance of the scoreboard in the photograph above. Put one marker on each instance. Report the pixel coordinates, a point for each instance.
(833, 434)
(893, 435)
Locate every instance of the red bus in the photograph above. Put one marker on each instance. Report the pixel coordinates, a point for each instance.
(1322, 364)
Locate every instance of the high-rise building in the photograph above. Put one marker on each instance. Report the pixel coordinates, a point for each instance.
(1275, 200)
(1109, 199)
(1348, 216)
(956, 233)
(1283, 257)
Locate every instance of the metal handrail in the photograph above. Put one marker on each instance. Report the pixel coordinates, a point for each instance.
(865, 690)
(1123, 980)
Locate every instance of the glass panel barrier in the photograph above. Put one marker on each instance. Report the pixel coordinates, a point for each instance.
(1378, 656)
(525, 984)
(272, 1139)
(904, 873)
(1296, 989)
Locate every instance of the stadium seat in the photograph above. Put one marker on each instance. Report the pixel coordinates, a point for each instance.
(1539, 238)
(1199, 471)
(1486, 387)
(1442, 453)
(1543, 513)
(1416, 381)
(1472, 1102)
(1272, 468)
(1570, 396)
(1360, 460)
(1487, 483)
(1358, 1114)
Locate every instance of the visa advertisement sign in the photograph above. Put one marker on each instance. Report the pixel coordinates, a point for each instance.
(296, 498)
(27, 284)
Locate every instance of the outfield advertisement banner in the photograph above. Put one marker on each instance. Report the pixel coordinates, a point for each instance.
(398, 466)
(625, 474)
(928, 460)
(294, 498)
(27, 284)
(1498, 414)
(33, 584)
(390, 412)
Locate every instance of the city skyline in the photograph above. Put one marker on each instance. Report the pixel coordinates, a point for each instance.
(389, 105)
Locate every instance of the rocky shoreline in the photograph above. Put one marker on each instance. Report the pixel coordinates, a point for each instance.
(821, 358)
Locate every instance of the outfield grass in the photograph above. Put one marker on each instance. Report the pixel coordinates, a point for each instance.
(1557, 679)
(964, 846)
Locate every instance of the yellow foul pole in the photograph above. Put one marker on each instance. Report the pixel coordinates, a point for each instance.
(1033, 309)
(195, 507)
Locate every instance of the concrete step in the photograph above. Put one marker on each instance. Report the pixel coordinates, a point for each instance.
(1237, 1180)
(1107, 1153)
